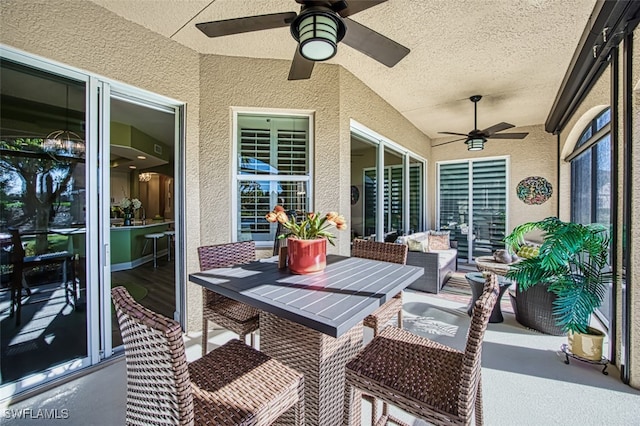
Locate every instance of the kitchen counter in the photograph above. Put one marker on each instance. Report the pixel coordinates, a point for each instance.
(127, 243)
(137, 224)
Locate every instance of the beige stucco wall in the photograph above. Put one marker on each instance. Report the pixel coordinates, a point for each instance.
(536, 155)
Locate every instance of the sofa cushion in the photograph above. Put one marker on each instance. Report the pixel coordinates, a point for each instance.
(416, 242)
(445, 256)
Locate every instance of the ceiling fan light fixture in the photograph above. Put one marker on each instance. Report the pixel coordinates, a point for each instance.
(318, 30)
(475, 144)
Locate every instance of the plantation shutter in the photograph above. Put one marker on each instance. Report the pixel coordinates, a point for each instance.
(271, 146)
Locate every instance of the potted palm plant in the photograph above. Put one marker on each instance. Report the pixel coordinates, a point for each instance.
(572, 264)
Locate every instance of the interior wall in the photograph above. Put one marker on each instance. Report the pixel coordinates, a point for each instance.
(535, 155)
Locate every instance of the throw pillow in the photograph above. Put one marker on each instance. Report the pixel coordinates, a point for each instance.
(414, 245)
(439, 240)
(502, 256)
(417, 242)
(528, 252)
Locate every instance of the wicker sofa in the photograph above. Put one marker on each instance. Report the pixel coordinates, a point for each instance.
(438, 264)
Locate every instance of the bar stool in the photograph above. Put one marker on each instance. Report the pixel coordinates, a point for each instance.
(170, 236)
(155, 238)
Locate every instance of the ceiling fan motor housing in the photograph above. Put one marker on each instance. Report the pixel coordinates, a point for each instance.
(318, 29)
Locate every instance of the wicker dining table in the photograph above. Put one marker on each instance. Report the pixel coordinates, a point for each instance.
(313, 323)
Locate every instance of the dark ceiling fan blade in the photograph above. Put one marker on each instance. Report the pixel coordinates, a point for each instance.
(453, 133)
(496, 128)
(446, 143)
(508, 136)
(355, 6)
(373, 44)
(301, 67)
(246, 24)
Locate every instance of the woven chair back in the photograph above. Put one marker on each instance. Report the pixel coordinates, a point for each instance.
(158, 383)
(473, 350)
(221, 256)
(375, 250)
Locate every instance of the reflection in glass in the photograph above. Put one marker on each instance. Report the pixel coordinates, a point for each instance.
(42, 219)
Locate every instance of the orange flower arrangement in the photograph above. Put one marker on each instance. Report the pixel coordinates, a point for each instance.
(314, 225)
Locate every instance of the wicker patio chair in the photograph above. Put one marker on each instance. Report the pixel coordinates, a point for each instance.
(387, 252)
(232, 385)
(238, 317)
(429, 380)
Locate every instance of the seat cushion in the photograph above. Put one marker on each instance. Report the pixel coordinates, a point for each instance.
(236, 384)
(445, 256)
(411, 367)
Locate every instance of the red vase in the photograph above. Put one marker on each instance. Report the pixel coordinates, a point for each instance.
(306, 256)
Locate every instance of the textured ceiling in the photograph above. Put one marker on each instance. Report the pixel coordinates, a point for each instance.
(513, 52)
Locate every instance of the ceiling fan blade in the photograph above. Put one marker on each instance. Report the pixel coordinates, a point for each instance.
(246, 24)
(508, 136)
(355, 6)
(301, 67)
(446, 143)
(453, 133)
(373, 44)
(496, 128)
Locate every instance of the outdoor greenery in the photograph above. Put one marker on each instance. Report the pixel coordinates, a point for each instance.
(573, 263)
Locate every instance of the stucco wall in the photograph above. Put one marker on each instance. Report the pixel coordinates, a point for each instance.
(535, 155)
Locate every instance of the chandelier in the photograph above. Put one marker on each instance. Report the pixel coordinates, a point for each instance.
(144, 177)
(65, 142)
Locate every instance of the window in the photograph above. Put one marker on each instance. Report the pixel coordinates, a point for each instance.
(272, 168)
(591, 181)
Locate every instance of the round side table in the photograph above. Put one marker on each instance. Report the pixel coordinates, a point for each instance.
(476, 282)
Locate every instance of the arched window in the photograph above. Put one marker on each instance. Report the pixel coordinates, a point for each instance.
(591, 172)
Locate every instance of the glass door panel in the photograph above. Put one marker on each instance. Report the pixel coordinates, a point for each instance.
(453, 209)
(393, 195)
(416, 195)
(42, 226)
(472, 205)
(363, 187)
(489, 206)
(142, 211)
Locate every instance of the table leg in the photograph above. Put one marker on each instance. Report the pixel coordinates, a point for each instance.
(319, 357)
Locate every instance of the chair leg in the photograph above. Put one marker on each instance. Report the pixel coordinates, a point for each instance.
(400, 318)
(205, 335)
(352, 404)
(478, 405)
(252, 338)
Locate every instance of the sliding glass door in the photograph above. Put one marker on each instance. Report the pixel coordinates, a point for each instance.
(472, 204)
(387, 189)
(44, 311)
(72, 148)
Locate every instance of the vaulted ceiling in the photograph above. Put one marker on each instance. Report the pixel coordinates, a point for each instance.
(513, 52)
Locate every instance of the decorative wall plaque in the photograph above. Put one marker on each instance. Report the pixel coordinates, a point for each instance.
(534, 190)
